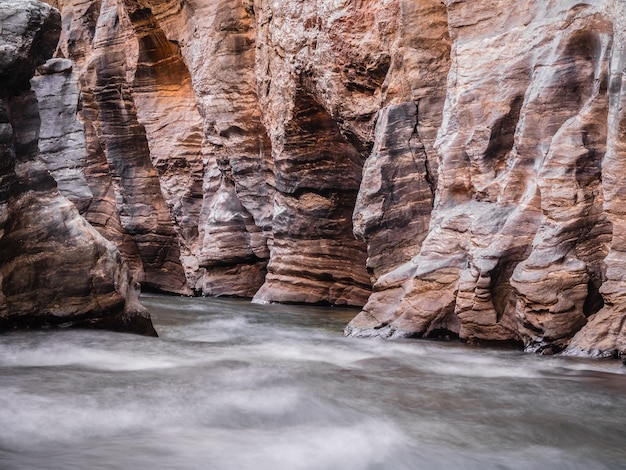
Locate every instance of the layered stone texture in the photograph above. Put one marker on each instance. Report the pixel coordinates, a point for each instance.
(55, 268)
(224, 171)
(521, 227)
(62, 143)
(327, 73)
(109, 107)
(165, 103)
(236, 218)
(463, 157)
(605, 332)
(315, 257)
(396, 195)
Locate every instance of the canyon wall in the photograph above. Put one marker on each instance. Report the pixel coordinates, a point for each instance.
(55, 268)
(523, 242)
(257, 121)
(452, 167)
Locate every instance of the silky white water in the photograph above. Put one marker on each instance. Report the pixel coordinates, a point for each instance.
(230, 385)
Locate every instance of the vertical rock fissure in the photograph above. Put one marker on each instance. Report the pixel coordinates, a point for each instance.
(416, 136)
(166, 107)
(139, 199)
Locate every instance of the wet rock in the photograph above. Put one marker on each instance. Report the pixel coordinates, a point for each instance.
(454, 166)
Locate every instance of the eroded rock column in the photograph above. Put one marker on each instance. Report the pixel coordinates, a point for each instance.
(55, 268)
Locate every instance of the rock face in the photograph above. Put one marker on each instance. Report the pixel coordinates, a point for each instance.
(55, 268)
(62, 143)
(252, 204)
(522, 234)
(452, 166)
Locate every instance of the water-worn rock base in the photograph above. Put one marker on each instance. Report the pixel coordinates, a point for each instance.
(524, 239)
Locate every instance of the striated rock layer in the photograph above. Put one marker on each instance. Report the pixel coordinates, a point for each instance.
(523, 236)
(252, 205)
(55, 268)
(452, 166)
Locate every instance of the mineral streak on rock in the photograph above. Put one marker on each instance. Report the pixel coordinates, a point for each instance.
(62, 143)
(55, 268)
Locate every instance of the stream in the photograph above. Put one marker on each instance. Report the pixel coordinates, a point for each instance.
(233, 385)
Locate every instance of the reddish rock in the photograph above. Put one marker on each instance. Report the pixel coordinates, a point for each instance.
(464, 158)
(521, 227)
(55, 268)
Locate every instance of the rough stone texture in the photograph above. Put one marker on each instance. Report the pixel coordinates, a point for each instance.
(474, 148)
(202, 128)
(110, 108)
(605, 332)
(520, 231)
(62, 144)
(327, 72)
(396, 195)
(156, 54)
(236, 218)
(165, 103)
(55, 268)
(128, 206)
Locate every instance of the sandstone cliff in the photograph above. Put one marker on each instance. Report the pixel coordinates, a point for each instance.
(523, 243)
(55, 268)
(452, 166)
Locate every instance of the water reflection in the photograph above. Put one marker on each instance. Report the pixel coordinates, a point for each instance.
(229, 385)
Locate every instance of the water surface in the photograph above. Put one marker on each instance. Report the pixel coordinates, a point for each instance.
(230, 385)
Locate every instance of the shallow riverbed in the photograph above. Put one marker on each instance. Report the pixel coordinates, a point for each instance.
(230, 385)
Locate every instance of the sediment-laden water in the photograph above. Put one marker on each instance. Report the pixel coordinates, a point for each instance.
(229, 385)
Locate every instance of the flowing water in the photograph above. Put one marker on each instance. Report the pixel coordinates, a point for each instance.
(229, 385)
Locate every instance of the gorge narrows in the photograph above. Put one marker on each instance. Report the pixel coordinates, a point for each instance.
(277, 188)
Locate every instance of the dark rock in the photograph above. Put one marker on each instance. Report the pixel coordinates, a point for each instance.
(55, 268)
